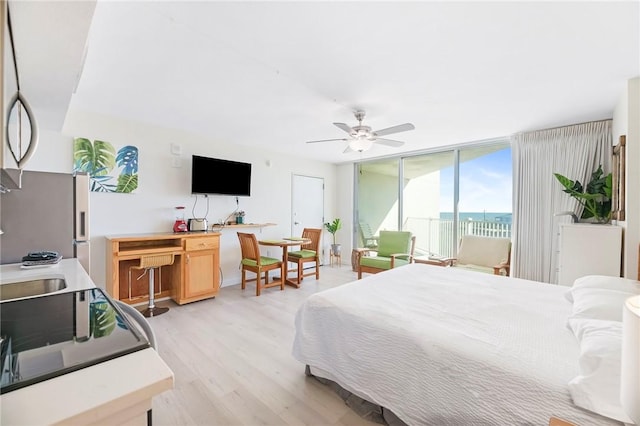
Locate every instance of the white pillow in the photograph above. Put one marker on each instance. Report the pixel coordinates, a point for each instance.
(598, 303)
(586, 326)
(604, 282)
(597, 388)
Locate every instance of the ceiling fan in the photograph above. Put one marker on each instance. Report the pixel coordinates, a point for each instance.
(361, 138)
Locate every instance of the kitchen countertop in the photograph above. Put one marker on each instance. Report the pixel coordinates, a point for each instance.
(98, 394)
(111, 392)
(74, 274)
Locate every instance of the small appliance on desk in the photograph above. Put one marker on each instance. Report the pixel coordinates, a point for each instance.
(180, 225)
(198, 224)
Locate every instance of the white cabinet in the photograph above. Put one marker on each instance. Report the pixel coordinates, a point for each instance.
(588, 249)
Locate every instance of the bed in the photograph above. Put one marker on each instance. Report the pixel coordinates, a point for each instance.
(444, 346)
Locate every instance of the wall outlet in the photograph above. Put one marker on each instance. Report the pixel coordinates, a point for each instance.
(176, 162)
(176, 149)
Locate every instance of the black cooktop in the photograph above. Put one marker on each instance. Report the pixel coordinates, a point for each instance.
(47, 336)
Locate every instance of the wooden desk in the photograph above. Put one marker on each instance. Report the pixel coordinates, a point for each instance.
(285, 243)
(194, 275)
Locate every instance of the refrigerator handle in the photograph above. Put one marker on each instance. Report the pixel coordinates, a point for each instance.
(82, 206)
(80, 231)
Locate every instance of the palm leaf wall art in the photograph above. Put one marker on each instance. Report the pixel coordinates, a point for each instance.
(109, 170)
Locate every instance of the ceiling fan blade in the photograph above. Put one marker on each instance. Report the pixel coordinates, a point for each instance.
(394, 129)
(344, 127)
(388, 142)
(327, 140)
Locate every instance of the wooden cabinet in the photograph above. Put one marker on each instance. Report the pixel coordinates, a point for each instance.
(201, 269)
(588, 249)
(194, 274)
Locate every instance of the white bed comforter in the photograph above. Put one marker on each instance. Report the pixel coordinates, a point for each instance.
(444, 346)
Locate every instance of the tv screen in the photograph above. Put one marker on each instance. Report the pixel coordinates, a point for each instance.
(222, 177)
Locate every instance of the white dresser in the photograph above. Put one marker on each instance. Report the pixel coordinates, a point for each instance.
(588, 249)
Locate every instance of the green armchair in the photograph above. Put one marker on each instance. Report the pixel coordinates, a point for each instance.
(368, 239)
(395, 248)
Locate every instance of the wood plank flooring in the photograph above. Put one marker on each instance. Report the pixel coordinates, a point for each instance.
(231, 357)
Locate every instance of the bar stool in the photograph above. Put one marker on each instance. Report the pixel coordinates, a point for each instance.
(148, 263)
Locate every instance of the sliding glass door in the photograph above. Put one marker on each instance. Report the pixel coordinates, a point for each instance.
(438, 196)
(426, 191)
(377, 194)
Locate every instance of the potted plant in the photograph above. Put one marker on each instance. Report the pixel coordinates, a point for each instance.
(595, 198)
(333, 227)
(240, 217)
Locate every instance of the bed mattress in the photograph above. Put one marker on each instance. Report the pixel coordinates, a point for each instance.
(444, 346)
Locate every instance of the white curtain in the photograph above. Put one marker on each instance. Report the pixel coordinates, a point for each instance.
(573, 151)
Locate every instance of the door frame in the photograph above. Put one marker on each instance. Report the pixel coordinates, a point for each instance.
(293, 209)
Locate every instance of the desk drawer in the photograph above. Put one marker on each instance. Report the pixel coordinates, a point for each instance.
(201, 244)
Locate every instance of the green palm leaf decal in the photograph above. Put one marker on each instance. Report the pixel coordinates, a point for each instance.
(97, 159)
(127, 183)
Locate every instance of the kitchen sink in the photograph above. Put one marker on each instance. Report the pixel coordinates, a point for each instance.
(33, 287)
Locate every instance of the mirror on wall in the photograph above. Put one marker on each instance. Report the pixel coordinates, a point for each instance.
(619, 178)
(21, 131)
(19, 127)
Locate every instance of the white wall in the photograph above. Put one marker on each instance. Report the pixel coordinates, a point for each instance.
(162, 187)
(625, 122)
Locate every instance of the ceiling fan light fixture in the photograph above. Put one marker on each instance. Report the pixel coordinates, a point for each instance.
(362, 138)
(360, 144)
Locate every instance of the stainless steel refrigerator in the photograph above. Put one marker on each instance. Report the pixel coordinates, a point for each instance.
(50, 212)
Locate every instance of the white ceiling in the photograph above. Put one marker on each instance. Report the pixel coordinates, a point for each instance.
(277, 74)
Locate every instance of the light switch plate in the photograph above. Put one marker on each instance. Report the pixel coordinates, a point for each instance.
(176, 149)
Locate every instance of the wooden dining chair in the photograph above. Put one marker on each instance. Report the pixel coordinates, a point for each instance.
(254, 262)
(308, 253)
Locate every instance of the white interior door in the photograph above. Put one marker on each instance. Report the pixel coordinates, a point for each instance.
(307, 204)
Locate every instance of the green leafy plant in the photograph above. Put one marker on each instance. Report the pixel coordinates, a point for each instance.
(333, 227)
(595, 198)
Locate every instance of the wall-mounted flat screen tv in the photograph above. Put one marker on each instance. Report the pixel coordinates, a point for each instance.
(220, 177)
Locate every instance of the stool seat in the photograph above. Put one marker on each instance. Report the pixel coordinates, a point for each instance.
(148, 263)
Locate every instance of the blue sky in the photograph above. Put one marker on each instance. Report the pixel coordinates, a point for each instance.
(485, 184)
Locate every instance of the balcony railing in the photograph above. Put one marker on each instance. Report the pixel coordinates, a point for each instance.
(434, 235)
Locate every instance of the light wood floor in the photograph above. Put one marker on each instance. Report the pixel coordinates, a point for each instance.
(231, 357)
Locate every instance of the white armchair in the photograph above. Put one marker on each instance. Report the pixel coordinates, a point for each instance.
(482, 254)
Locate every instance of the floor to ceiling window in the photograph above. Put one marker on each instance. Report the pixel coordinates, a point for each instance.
(423, 199)
(377, 193)
(438, 196)
(485, 191)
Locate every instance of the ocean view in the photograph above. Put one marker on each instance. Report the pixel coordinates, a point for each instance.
(479, 216)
